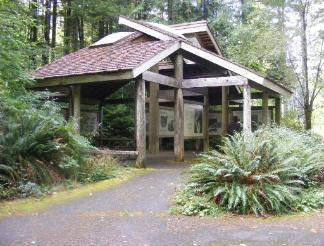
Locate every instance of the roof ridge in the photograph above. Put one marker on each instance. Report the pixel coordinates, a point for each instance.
(190, 22)
(156, 28)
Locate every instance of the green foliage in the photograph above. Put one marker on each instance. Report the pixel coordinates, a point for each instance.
(14, 50)
(98, 168)
(36, 143)
(291, 120)
(266, 172)
(311, 200)
(260, 44)
(119, 121)
(190, 204)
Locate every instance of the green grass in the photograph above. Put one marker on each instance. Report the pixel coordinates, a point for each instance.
(33, 205)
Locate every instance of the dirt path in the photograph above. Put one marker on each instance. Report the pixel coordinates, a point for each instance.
(136, 213)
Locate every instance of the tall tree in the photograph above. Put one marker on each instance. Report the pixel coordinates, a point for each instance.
(170, 11)
(67, 14)
(54, 24)
(47, 29)
(33, 32)
(309, 68)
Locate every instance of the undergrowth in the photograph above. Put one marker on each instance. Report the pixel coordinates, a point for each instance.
(273, 171)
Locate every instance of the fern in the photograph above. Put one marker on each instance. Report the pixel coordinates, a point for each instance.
(37, 144)
(265, 173)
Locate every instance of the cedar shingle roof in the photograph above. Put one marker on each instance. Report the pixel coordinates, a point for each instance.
(125, 54)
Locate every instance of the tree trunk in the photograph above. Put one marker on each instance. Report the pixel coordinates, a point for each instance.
(308, 117)
(74, 32)
(204, 9)
(47, 27)
(67, 26)
(243, 11)
(170, 11)
(81, 31)
(33, 30)
(54, 18)
(308, 107)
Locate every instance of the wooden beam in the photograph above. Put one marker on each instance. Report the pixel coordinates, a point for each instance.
(206, 123)
(278, 110)
(82, 79)
(202, 91)
(265, 108)
(179, 111)
(238, 69)
(214, 82)
(118, 152)
(140, 123)
(247, 109)
(168, 94)
(254, 95)
(70, 102)
(154, 116)
(225, 104)
(155, 59)
(141, 28)
(76, 95)
(160, 79)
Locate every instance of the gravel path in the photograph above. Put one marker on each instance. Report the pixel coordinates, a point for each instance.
(136, 213)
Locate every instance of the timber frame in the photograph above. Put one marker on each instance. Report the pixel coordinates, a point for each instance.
(195, 75)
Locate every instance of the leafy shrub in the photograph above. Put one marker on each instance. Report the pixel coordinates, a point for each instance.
(292, 121)
(98, 168)
(37, 144)
(7, 193)
(190, 204)
(266, 172)
(311, 200)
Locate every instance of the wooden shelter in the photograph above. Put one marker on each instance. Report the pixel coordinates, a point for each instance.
(178, 63)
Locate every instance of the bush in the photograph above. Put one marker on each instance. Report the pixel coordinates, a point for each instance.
(311, 200)
(37, 144)
(266, 172)
(292, 121)
(99, 168)
(190, 204)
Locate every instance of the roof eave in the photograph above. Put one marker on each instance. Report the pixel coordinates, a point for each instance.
(43, 82)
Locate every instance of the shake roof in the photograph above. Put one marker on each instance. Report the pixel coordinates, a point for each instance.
(125, 54)
(148, 42)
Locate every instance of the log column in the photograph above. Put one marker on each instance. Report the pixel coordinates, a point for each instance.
(247, 109)
(178, 111)
(225, 102)
(277, 110)
(206, 123)
(140, 123)
(76, 102)
(154, 116)
(265, 108)
(100, 119)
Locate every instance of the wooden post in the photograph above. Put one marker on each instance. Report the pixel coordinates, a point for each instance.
(265, 108)
(247, 109)
(100, 123)
(154, 116)
(225, 102)
(76, 99)
(206, 122)
(277, 110)
(178, 111)
(70, 109)
(140, 123)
